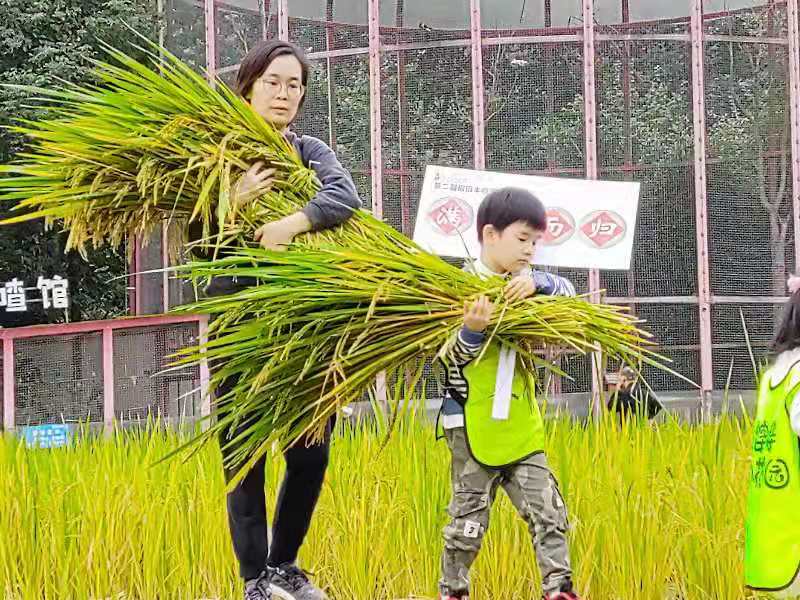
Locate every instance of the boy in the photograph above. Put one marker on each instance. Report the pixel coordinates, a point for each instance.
(493, 429)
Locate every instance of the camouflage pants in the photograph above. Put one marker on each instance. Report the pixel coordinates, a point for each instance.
(533, 491)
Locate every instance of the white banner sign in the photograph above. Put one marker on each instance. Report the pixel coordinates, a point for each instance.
(590, 224)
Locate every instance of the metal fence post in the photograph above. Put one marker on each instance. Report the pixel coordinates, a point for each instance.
(211, 38)
(283, 20)
(478, 109)
(701, 214)
(592, 172)
(205, 376)
(794, 107)
(9, 393)
(108, 380)
(376, 139)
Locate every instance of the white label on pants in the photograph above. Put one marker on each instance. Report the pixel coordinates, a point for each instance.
(472, 529)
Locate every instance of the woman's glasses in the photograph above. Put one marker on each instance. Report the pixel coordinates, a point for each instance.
(273, 87)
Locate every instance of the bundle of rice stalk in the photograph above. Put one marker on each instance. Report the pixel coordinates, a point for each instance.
(154, 141)
(149, 142)
(323, 323)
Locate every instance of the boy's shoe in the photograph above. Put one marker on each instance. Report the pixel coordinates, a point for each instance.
(561, 596)
(445, 594)
(289, 582)
(258, 588)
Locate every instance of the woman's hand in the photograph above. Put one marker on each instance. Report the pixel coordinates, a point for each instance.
(277, 235)
(478, 314)
(253, 183)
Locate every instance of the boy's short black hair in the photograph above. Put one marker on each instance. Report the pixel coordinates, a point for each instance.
(508, 205)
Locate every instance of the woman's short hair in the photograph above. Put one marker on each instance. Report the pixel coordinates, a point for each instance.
(260, 57)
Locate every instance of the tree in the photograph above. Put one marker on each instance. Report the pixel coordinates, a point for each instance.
(49, 42)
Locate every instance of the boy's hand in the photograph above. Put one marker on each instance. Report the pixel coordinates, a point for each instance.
(522, 286)
(478, 314)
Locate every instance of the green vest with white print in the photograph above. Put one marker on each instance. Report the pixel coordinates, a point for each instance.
(500, 436)
(772, 528)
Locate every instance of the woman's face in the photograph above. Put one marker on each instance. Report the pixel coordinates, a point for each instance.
(277, 93)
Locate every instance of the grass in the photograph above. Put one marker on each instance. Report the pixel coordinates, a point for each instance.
(656, 513)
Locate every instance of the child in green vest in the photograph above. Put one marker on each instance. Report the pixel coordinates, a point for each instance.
(772, 529)
(492, 425)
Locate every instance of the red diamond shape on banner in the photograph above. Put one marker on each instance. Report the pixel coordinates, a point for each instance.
(560, 227)
(604, 228)
(451, 216)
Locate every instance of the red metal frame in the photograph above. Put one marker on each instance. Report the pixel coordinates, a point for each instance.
(590, 115)
(590, 137)
(376, 136)
(402, 123)
(9, 336)
(701, 217)
(164, 265)
(263, 9)
(478, 109)
(108, 379)
(211, 38)
(137, 276)
(205, 375)
(793, 15)
(9, 392)
(330, 42)
(283, 19)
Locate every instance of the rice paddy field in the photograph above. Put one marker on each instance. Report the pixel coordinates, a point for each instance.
(657, 513)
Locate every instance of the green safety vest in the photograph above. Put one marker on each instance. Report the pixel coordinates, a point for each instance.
(772, 528)
(496, 442)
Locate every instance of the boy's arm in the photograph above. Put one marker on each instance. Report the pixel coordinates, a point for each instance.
(466, 348)
(552, 285)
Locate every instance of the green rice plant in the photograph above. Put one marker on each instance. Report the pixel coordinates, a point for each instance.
(656, 512)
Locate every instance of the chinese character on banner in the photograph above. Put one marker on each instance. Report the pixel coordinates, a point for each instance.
(13, 296)
(560, 227)
(604, 228)
(451, 216)
(54, 292)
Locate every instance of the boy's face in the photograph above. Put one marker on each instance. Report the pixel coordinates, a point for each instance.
(512, 249)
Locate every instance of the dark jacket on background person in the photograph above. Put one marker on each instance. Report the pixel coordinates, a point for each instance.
(634, 402)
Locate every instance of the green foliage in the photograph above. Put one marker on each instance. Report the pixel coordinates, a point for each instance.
(44, 44)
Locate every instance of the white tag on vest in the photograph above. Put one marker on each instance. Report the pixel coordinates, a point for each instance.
(501, 407)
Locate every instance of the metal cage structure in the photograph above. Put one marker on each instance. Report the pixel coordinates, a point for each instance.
(697, 100)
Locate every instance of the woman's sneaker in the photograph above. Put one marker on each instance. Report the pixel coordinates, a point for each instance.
(258, 588)
(289, 582)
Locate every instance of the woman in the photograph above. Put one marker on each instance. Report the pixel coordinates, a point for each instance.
(272, 78)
